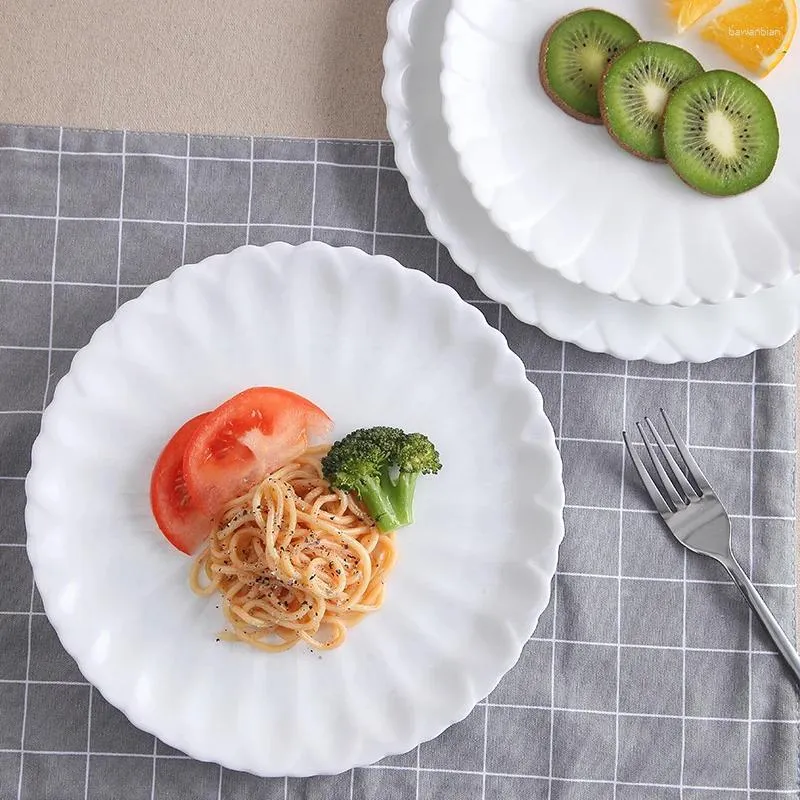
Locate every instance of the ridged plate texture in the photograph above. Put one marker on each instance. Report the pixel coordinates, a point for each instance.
(564, 192)
(534, 294)
(372, 343)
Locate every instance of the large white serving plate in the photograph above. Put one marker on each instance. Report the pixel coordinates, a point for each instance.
(372, 343)
(535, 295)
(564, 192)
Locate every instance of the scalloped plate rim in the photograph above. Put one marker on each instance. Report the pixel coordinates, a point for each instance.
(629, 288)
(601, 329)
(551, 506)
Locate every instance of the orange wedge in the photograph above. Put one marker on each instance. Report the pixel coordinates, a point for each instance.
(757, 34)
(687, 12)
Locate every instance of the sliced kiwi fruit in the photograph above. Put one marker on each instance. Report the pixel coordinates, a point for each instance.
(634, 93)
(721, 134)
(574, 55)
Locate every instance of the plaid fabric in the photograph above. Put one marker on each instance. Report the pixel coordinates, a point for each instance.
(646, 679)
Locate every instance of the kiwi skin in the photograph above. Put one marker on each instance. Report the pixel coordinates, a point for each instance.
(543, 72)
(601, 93)
(546, 83)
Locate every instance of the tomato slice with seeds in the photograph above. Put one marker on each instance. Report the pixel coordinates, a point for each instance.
(184, 524)
(245, 439)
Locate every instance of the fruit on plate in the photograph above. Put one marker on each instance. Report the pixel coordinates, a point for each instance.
(185, 525)
(574, 55)
(244, 439)
(634, 94)
(757, 34)
(720, 133)
(687, 12)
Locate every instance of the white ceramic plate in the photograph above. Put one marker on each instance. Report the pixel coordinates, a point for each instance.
(567, 194)
(372, 343)
(536, 295)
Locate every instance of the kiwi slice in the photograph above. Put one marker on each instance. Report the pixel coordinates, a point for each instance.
(721, 134)
(574, 55)
(634, 94)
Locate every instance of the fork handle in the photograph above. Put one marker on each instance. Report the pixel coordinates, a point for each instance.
(756, 601)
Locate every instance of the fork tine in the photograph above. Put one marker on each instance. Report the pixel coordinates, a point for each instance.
(667, 482)
(694, 470)
(662, 506)
(687, 488)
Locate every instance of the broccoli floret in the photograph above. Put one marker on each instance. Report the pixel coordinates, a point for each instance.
(414, 455)
(381, 466)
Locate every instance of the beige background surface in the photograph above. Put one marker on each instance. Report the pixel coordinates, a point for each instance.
(286, 67)
(283, 67)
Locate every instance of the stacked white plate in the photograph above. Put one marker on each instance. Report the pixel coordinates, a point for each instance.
(555, 221)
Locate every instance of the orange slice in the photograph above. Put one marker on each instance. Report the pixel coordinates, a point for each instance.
(687, 12)
(757, 34)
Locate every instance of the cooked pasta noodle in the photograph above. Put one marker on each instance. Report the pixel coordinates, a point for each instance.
(294, 560)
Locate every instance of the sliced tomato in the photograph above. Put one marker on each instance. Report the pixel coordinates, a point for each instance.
(183, 523)
(245, 439)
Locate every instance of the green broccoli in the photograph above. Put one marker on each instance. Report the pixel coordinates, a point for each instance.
(381, 465)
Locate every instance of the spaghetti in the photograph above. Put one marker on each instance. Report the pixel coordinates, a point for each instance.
(294, 560)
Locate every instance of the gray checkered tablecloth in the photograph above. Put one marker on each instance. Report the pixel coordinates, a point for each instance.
(646, 678)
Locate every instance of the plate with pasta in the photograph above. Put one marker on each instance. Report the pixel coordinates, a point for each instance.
(295, 509)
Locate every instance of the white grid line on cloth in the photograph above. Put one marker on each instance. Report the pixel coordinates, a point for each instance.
(44, 404)
(250, 193)
(641, 715)
(88, 747)
(352, 781)
(485, 747)
(655, 579)
(416, 777)
(375, 209)
(685, 600)
(561, 573)
(491, 704)
(599, 781)
(446, 771)
(39, 682)
(164, 756)
(720, 448)
(555, 599)
(286, 788)
(486, 703)
(172, 156)
(690, 649)
(203, 224)
(314, 192)
(619, 583)
(153, 773)
(657, 378)
(185, 204)
(750, 569)
(580, 507)
(219, 784)
(119, 230)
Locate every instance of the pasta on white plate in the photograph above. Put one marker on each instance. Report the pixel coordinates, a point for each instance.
(294, 560)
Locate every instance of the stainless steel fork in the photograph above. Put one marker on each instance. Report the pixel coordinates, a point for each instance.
(694, 514)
